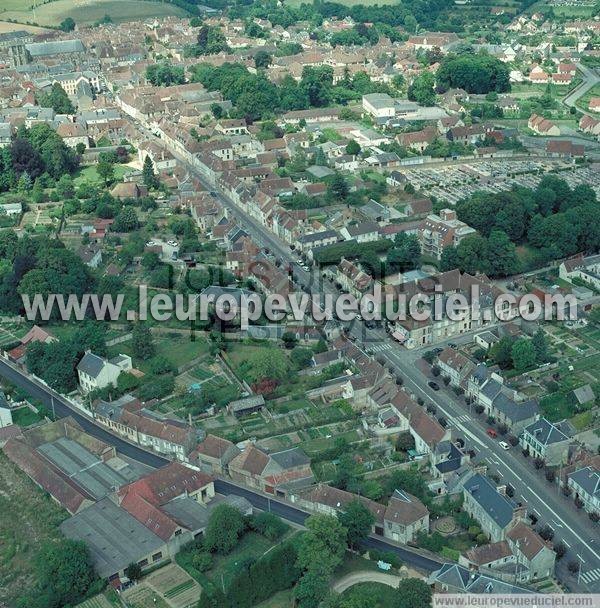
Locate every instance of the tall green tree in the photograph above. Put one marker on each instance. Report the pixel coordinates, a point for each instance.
(413, 593)
(421, 89)
(141, 341)
(358, 521)
(106, 170)
(225, 526)
(65, 574)
(322, 547)
(148, 172)
(540, 346)
(523, 355)
(57, 99)
(337, 188)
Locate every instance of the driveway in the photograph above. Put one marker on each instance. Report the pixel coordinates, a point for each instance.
(366, 576)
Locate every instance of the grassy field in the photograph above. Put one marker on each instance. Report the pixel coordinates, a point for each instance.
(29, 518)
(6, 27)
(86, 12)
(25, 417)
(584, 101)
(89, 174)
(225, 568)
(98, 601)
(565, 11)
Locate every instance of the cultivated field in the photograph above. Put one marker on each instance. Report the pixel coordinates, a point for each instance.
(142, 596)
(98, 601)
(175, 585)
(6, 27)
(85, 12)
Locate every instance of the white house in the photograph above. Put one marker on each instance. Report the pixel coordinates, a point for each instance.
(96, 372)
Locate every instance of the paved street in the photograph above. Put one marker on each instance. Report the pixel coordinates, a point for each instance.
(590, 80)
(573, 528)
(51, 399)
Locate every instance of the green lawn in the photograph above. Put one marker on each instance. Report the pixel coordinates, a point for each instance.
(176, 348)
(557, 406)
(86, 11)
(582, 421)
(89, 174)
(225, 567)
(25, 417)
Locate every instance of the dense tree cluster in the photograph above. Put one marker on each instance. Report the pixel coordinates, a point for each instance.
(320, 552)
(435, 15)
(256, 97)
(421, 89)
(57, 99)
(33, 265)
(55, 362)
(359, 35)
(521, 354)
(479, 74)
(165, 74)
(210, 40)
(35, 152)
(65, 576)
(554, 219)
(332, 254)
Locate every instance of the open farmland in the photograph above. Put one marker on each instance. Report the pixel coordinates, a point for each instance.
(85, 12)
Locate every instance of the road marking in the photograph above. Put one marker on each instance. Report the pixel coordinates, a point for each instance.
(581, 558)
(566, 543)
(591, 575)
(477, 440)
(559, 518)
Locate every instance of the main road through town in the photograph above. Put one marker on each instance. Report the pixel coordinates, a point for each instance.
(550, 507)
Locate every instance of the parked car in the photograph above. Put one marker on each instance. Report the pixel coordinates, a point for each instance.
(433, 385)
(492, 433)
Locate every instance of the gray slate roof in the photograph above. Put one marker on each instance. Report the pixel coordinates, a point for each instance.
(498, 507)
(589, 479)
(91, 365)
(515, 410)
(294, 457)
(547, 433)
(86, 470)
(463, 580)
(113, 536)
(56, 47)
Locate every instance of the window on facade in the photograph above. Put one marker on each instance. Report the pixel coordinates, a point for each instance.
(157, 556)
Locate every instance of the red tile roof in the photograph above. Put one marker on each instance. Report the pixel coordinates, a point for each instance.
(162, 485)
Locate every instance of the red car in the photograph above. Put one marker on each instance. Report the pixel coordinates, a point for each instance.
(492, 433)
